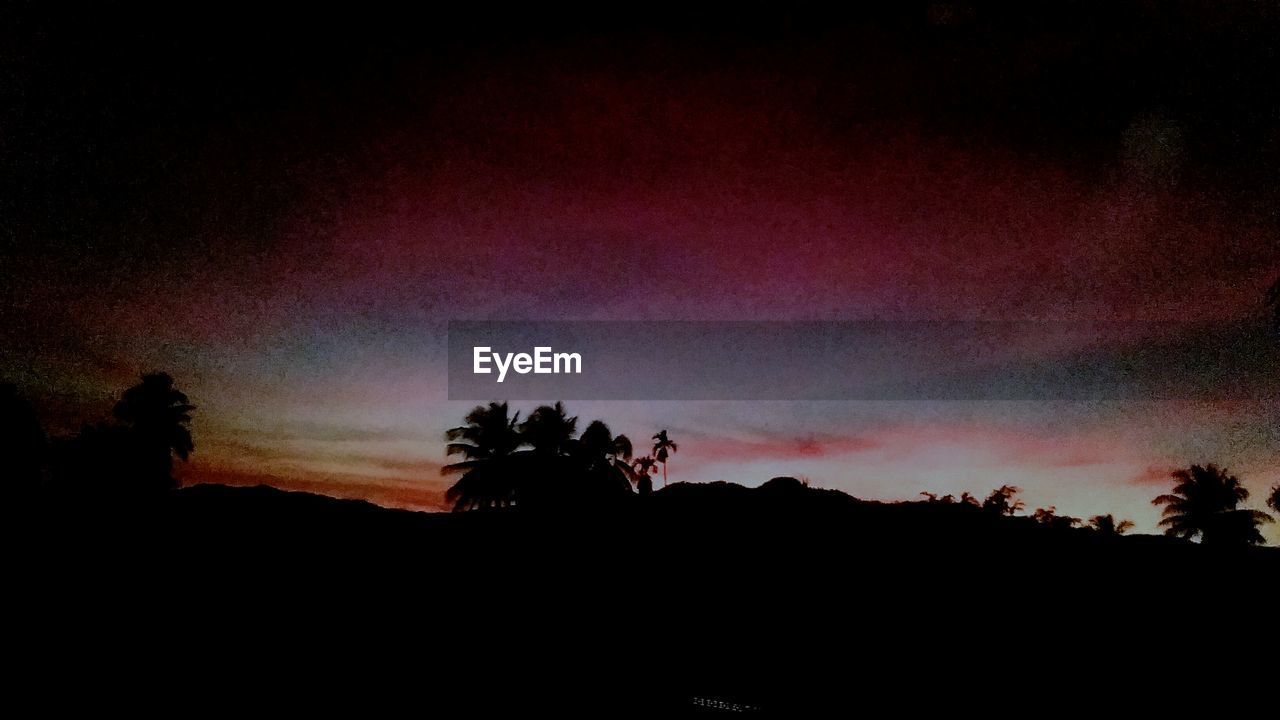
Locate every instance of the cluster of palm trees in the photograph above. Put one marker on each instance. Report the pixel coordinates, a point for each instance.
(544, 461)
(1204, 504)
(1004, 502)
(540, 460)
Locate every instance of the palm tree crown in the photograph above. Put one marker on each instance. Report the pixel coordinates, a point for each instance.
(1204, 504)
(490, 433)
(549, 430)
(644, 468)
(486, 443)
(663, 447)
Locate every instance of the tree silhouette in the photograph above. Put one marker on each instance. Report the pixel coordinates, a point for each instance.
(1003, 500)
(1273, 500)
(662, 449)
(486, 443)
(967, 498)
(1204, 504)
(642, 470)
(22, 441)
(157, 415)
(1108, 525)
(549, 431)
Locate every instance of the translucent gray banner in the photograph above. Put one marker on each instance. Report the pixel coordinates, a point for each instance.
(871, 360)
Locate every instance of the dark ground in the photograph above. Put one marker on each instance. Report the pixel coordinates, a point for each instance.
(790, 602)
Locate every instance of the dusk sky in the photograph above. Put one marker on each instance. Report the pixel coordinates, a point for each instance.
(284, 212)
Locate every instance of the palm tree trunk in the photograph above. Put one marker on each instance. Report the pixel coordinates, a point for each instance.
(664, 473)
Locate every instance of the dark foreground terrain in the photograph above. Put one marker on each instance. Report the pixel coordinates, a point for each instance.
(697, 599)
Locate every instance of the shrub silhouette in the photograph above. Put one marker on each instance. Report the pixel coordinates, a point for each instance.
(1204, 504)
(1273, 500)
(784, 484)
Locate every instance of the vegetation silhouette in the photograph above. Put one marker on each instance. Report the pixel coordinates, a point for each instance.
(132, 458)
(1204, 503)
(157, 415)
(486, 442)
(549, 431)
(663, 448)
(540, 462)
(643, 469)
(1273, 500)
(1003, 501)
(23, 445)
(605, 461)
(1049, 517)
(746, 563)
(1108, 525)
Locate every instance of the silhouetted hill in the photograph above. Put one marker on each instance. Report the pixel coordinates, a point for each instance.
(781, 598)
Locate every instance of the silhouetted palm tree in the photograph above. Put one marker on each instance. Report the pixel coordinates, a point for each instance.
(22, 441)
(662, 449)
(643, 469)
(157, 414)
(1204, 504)
(1108, 525)
(605, 458)
(549, 431)
(486, 443)
(1003, 500)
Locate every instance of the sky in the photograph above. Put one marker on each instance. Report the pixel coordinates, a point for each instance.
(284, 210)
